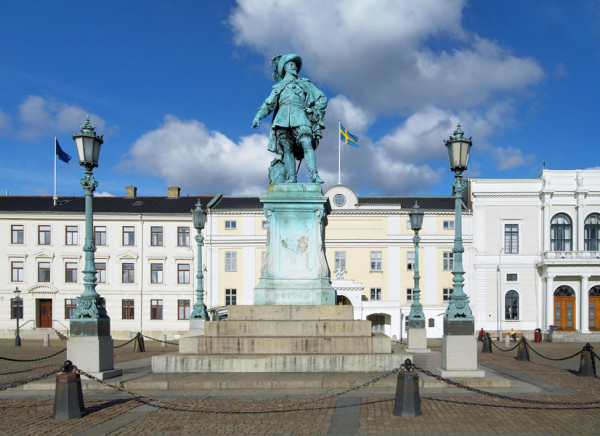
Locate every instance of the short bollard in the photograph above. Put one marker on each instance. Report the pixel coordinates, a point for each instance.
(523, 351)
(587, 366)
(487, 344)
(46, 340)
(68, 397)
(507, 340)
(138, 344)
(408, 401)
(164, 342)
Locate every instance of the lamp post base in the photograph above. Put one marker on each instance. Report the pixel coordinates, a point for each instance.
(459, 357)
(417, 341)
(196, 327)
(94, 355)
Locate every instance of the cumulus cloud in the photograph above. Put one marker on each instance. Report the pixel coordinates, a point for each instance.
(377, 52)
(190, 156)
(510, 157)
(38, 116)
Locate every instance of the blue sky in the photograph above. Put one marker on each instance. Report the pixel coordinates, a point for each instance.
(174, 86)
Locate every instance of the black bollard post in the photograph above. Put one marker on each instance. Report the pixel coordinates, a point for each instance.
(587, 366)
(523, 351)
(408, 401)
(68, 396)
(487, 344)
(138, 344)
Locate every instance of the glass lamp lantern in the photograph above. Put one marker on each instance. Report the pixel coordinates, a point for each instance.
(458, 150)
(17, 293)
(416, 217)
(88, 144)
(199, 216)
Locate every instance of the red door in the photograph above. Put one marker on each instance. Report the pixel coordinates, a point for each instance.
(45, 313)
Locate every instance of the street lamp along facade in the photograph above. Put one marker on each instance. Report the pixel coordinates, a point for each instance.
(199, 220)
(416, 317)
(17, 300)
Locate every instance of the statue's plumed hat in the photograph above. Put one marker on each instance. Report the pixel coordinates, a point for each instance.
(279, 62)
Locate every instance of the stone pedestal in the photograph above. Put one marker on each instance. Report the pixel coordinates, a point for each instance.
(417, 341)
(94, 355)
(459, 350)
(196, 327)
(295, 270)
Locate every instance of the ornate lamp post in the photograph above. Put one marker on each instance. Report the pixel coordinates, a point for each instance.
(417, 335)
(18, 315)
(199, 219)
(459, 351)
(90, 346)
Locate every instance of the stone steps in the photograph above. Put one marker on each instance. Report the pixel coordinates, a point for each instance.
(287, 328)
(290, 313)
(376, 343)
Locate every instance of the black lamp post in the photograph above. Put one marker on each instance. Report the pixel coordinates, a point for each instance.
(17, 307)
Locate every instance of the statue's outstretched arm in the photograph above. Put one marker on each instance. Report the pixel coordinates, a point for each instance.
(265, 109)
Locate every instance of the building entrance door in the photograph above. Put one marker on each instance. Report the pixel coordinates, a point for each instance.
(595, 313)
(564, 313)
(44, 312)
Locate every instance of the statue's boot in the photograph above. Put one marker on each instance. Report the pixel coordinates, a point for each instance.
(311, 160)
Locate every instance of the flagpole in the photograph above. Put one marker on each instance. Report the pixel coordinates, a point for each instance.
(339, 153)
(55, 198)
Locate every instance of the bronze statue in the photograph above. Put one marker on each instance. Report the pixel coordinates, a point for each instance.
(298, 109)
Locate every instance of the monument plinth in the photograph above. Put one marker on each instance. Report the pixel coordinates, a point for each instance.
(295, 270)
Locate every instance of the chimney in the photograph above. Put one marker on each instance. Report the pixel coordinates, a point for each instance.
(173, 192)
(131, 191)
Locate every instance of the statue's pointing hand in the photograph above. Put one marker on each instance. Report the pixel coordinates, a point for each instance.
(255, 122)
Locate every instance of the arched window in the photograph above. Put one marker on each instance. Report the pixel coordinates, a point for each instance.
(595, 291)
(511, 305)
(377, 322)
(564, 291)
(591, 232)
(561, 232)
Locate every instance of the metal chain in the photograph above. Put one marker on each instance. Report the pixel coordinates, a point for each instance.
(160, 340)
(506, 406)
(16, 384)
(550, 358)
(504, 351)
(500, 396)
(128, 342)
(33, 360)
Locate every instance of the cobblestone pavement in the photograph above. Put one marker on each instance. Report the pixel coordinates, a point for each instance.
(446, 411)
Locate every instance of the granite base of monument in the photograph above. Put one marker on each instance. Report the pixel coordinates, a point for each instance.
(94, 355)
(417, 341)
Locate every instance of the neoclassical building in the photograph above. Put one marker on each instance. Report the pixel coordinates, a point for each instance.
(531, 256)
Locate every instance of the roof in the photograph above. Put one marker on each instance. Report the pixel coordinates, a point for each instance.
(426, 203)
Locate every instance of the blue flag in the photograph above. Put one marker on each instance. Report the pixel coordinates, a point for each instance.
(61, 154)
(348, 137)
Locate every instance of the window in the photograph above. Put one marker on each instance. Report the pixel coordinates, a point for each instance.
(377, 322)
(264, 224)
(17, 234)
(375, 293)
(511, 305)
(127, 309)
(449, 225)
(44, 235)
(375, 260)
(70, 305)
(16, 271)
(511, 238)
(448, 261)
(230, 224)
(230, 297)
(339, 200)
(230, 261)
(340, 260)
(561, 233)
(183, 273)
(71, 235)
(591, 233)
(409, 294)
(100, 235)
(156, 273)
(183, 236)
(156, 309)
(128, 273)
(128, 235)
(43, 271)
(71, 272)
(183, 309)
(100, 272)
(156, 236)
(446, 293)
(512, 277)
(16, 307)
(410, 260)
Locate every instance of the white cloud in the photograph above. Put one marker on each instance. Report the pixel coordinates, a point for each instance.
(510, 157)
(39, 116)
(376, 52)
(5, 124)
(188, 155)
(103, 194)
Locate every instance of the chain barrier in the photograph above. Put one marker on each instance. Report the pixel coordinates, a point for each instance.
(159, 340)
(504, 351)
(126, 343)
(550, 358)
(506, 406)
(33, 360)
(503, 397)
(24, 382)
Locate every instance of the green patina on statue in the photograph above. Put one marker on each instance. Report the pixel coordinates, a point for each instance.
(298, 109)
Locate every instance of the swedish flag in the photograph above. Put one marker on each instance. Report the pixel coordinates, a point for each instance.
(348, 137)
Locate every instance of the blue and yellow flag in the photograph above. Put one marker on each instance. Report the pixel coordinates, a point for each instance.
(348, 137)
